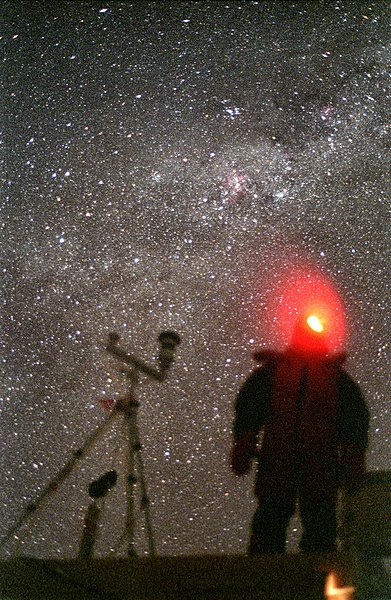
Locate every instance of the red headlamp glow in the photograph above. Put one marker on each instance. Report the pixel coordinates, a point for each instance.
(308, 296)
(315, 324)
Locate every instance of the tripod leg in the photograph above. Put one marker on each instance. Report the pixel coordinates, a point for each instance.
(145, 504)
(134, 450)
(131, 478)
(58, 479)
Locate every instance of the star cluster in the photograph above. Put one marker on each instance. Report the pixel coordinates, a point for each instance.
(167, 165)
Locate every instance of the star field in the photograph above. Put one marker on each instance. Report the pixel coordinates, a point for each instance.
(168, 165)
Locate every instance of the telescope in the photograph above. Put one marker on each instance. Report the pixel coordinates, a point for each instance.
(126, 405)
(168, 340)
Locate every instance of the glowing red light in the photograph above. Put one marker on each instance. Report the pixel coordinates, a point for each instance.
(315, 323)
(308, 295)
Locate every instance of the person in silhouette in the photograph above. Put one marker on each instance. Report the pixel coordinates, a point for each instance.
(314, 423)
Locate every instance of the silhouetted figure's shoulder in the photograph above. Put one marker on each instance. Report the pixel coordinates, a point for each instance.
(267, 357)
(258, 383)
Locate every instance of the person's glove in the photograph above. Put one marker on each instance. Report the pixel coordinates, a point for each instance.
(243, 450)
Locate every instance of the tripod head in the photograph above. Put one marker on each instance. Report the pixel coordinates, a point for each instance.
(168, 340)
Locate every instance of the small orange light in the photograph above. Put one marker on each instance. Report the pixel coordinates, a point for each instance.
(315, 323)
(333, 592)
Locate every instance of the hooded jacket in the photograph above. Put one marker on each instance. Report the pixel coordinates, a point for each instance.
(312, 415)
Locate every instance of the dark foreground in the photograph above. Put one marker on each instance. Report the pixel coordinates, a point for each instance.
(289, 577)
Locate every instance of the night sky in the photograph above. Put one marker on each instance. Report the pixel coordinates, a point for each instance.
(177, 165)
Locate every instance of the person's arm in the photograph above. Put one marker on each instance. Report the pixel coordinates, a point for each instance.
(250, 412)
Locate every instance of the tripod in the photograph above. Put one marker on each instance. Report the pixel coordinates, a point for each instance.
(135, 473)
(127, 405)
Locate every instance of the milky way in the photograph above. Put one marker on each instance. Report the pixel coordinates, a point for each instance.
(167, 166)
